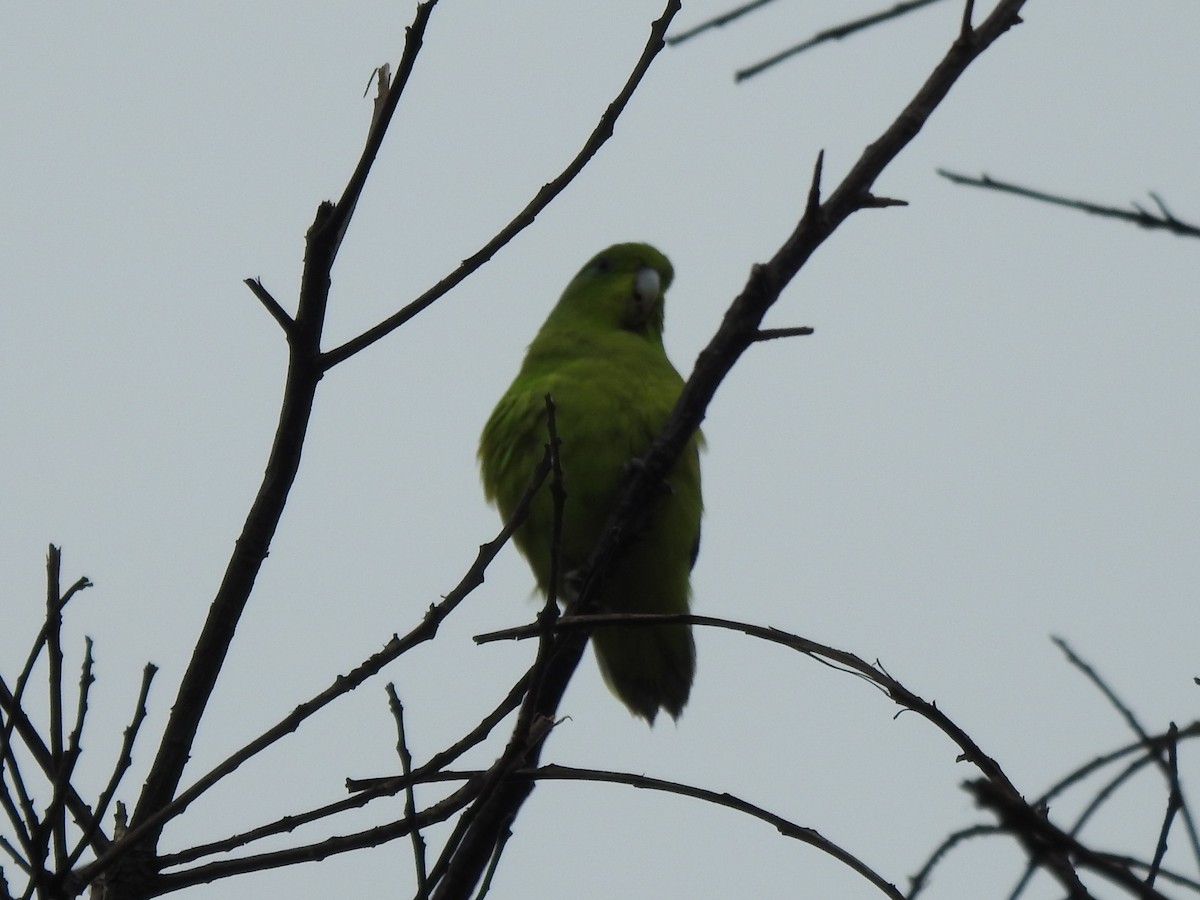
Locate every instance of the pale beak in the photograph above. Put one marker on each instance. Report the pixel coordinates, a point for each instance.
(647, 285)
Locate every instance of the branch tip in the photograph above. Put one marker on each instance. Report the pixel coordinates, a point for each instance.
(873, 202)
(835, 33)
(771, 334)
(278, 313)
(814, 189)
(1164, 220)
(966, 31)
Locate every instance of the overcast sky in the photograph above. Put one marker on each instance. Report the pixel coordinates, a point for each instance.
(991, 438)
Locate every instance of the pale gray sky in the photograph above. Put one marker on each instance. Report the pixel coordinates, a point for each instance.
(991, 438)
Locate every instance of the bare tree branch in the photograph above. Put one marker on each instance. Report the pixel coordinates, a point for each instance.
(787, 828)
(17, 856)
(367, 789)
(1163, 220)
(371, 837)
(18, 723)
(124, 761)
(1160, 756)
(39, 642)
(410, 800)
(920, 881)
(278, 313)
(717, 21)
(19, 810)
(1148, 750)
(1165, 874)
(836, 33)
(843, 659)
(1089, 768)
(771, 334)
(1044, 842)
(1174, 804)
(55, 819)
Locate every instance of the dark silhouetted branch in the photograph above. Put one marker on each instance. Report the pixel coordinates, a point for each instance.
(717, 21)
(410, 800)
(787, 828)
(835, 33)
(1162, 220)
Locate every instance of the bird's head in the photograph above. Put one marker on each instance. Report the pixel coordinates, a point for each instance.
(621, 287)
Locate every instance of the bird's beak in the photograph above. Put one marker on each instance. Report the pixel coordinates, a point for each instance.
(647, 285)
(647, 289)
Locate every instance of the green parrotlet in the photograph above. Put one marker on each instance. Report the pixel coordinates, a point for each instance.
(600, 357)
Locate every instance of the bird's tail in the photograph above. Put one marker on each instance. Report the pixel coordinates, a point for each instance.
(648, 667)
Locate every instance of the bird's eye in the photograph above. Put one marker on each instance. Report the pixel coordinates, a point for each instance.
(603, 265)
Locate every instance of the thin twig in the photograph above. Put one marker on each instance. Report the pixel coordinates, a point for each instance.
(16, 855)
(1164, 220)
(1165, 874)
(1102, 685)
(366, 789)
(124, 761)
(10, 704)
(391, 90)
(485, 884)
(717, 21)
(15, 800)
(56, 819)
(471, 846)
(371, 837)
(1077, 775)
(874, 674)
(278, 313)
(787, 828)
(1130, 719)
(1045, 842)
(392, 783)
(18, 811)
(75, 738)
(771, 334)
(1174, 803)
(56, 812)
(918, 882)
(835, 33)
(1106, 791)
(290, 823)
(35, 650)
(410, 800)
(1094, 805)
(968, 16)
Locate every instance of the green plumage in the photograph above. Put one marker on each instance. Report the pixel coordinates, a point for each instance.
(600, 356)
